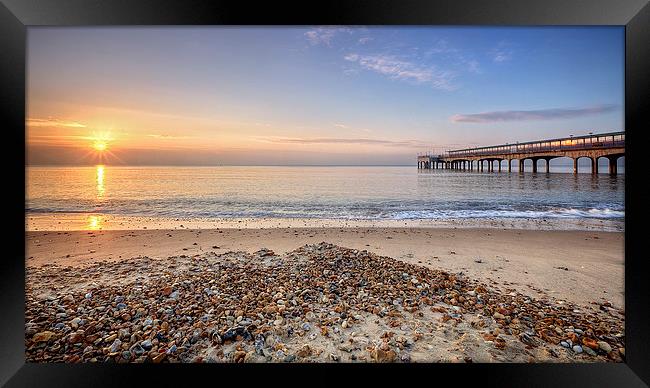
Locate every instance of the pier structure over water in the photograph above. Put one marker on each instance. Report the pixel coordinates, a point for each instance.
(605, 145)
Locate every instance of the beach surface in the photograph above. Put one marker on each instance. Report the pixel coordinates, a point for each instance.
(577, 266)
(325, 294)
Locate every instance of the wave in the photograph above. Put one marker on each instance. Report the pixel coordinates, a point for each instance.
(337, 212)
(559, 213)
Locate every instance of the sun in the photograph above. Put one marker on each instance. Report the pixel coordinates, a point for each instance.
(100, 141)
(100, 145)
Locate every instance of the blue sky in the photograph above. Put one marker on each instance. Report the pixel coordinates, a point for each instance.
(309, 95)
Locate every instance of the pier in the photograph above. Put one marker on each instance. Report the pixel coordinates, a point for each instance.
(605, 145)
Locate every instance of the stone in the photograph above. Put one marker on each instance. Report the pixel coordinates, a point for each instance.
(604, 346)
(137, 350)
(304, 351)
(43, 336)
(577, 348)
(589, 350)
(383, 354)
(115, 346)
(146, 344)
(159, 358)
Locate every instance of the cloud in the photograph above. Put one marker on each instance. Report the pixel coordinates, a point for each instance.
(54, 122)
(403, 70)
(168, 137)
(365, 39)
(341, 126)
(473, 66)
(331, 140)
(530, 115)
(501, 53)
(324, 35)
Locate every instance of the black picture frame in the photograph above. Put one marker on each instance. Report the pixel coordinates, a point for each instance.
(17, 15)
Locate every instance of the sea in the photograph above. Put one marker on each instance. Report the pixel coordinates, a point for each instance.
(315, 192)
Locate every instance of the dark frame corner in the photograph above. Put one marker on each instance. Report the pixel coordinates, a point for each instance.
(16, 15)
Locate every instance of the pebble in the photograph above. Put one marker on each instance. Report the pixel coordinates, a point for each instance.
(146, 344)
(577, 348)
(604, 346)
(116, 346)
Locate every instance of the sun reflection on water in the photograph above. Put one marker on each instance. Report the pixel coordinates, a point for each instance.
(100, 180)
(94, 222)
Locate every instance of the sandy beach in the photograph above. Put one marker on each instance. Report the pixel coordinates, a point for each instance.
(572, 280)
(529, 261)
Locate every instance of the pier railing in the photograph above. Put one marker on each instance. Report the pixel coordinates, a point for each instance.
(603, 140)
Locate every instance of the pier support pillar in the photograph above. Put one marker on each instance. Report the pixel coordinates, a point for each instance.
(594, 165)
(499, 161)
(521, 165)
(509, 165)
(575, 165)
(548, 167)
(534, 165)
(613, 167)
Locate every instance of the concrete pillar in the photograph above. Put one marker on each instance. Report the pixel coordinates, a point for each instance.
(534, 165)
(594, 165)
(499, 161)
(548, 168)
(509, 165)
(521, 165)
(575, 165)
(613, 167)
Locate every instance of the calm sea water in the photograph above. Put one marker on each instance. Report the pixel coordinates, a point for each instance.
(372, 193)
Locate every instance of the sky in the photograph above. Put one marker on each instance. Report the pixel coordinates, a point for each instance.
(322, 95)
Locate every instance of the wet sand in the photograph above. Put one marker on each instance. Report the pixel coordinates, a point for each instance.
(581, 267)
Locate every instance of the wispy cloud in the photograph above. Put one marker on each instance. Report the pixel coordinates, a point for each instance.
(334, 140)
(399, 69)
(325, 35)
(529, 115)
(351, 128)
(168, 137)
(473, 66)
(54, 122)
(502, 52)
(365, 39)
